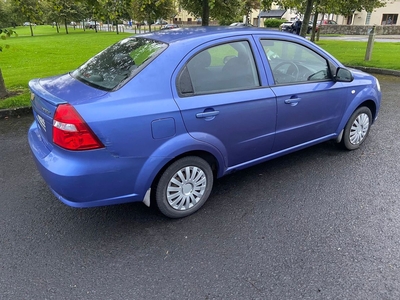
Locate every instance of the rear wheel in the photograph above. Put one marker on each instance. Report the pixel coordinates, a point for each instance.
(184, 187)
(357, 128)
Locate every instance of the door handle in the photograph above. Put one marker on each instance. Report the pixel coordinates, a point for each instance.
(293, 101)
(207, 114)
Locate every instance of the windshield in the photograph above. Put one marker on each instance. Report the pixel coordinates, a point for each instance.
(117, 64)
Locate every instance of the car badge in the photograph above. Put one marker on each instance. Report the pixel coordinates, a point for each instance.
(45, 110)
(41, 122)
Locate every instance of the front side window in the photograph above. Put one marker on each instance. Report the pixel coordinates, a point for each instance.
(293, 63)
(118, 63)
(221, 68)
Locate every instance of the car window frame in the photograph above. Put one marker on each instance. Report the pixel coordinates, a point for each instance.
(331, 66)
(183, 73)
(132, 74)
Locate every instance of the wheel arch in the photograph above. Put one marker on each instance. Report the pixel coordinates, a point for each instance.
(207, 156)
(372, 107)
(351, 109)
(357, 128)
(167, 153)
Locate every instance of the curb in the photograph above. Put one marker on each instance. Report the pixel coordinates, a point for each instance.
(377, 70)
(22, 111)
(15, 112)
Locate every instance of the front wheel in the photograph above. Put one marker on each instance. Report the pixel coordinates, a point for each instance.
(184, 187)
(357, 128)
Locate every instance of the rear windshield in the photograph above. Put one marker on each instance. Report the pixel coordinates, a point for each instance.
(117, 64)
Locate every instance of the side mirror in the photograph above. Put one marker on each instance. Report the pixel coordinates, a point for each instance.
(343, 75)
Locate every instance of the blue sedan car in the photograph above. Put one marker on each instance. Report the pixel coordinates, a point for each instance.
(158, 117)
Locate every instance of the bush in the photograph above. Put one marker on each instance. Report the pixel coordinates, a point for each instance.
(273, 23)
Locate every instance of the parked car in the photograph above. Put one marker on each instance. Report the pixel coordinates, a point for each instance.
(29, 24)
(239, 24)
(286, 26)
(169, 26)
(91, 24)
(161, 22)
(325, 22)
(118, 130)
(289, 27)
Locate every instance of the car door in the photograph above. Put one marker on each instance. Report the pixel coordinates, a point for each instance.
(309, 103)
(222, 101)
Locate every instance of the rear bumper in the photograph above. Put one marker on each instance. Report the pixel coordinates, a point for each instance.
(88, 178)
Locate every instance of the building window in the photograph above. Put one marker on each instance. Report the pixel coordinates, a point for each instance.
(389, 19)
(368, 18)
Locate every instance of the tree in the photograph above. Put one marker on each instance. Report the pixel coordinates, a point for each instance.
(348, 8)
(3, 15)
(13, 15)
(4, 34)
(306, 18)
(198, 8)
(224, 11)
(114, 10)
(149, 11)
(338, 7)
(30, 9)
(248, 6)
(58, 11)
(205, 13)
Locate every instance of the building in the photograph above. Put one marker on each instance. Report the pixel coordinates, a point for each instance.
(387, 15)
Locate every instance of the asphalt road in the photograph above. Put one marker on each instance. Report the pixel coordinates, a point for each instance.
(318, 224)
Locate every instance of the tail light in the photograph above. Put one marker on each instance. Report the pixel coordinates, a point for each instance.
(71, 132)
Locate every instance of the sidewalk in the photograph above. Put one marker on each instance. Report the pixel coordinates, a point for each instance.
(364, 38)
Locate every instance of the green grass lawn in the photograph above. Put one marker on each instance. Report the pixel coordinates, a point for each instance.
(384, 55)
(45, 54)
(50, 53)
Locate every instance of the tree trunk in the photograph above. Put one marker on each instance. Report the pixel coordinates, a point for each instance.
(66, 26)
(3, 90)
(306, 18)
(205, 14)
(314, 26)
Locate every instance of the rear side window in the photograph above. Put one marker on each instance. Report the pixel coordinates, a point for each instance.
(293, 63)
(118, 63)
(225, 67)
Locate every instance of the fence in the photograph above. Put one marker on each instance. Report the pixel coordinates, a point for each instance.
(360, 29)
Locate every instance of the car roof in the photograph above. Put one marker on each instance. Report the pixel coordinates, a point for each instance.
(204, 32)
(195, 36)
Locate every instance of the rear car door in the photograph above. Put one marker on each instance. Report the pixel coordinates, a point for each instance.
(223, 103)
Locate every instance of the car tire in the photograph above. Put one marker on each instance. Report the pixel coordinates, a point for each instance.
(357, 128)
(184, 187)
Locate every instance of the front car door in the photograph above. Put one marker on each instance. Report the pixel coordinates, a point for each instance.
(310, 103)
(222, 101)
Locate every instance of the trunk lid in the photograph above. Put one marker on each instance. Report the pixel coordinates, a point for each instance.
(48, 93)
